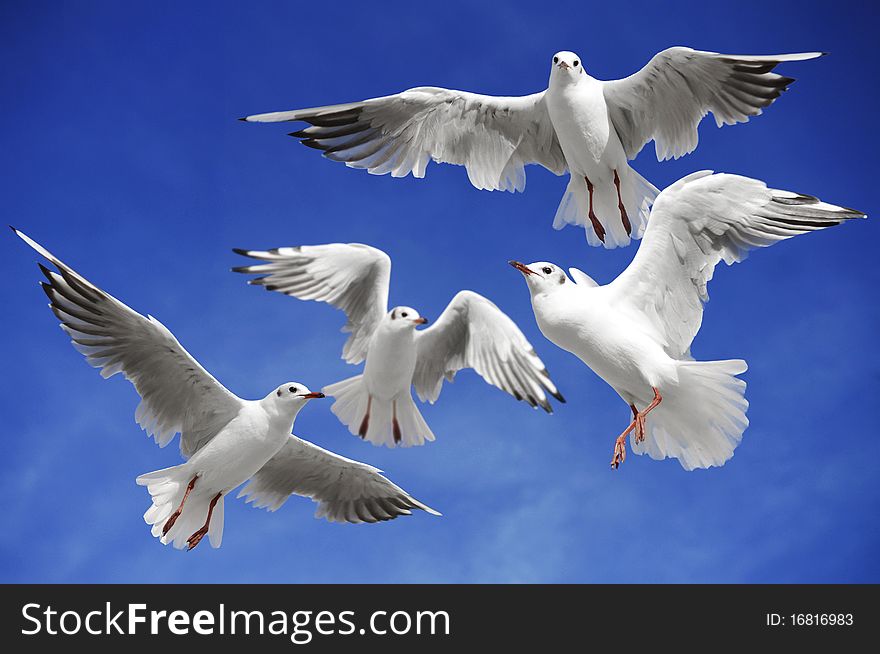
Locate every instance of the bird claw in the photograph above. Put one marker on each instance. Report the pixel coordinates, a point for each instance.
(619, 453)
(170, 522)
(196, 538)
(640, 430)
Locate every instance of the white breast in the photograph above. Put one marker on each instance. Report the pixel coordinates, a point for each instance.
(241, 448)
(391, 361)
(581, 322)
(580, 117)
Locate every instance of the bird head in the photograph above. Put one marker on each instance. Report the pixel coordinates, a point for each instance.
(292, 396)
(566, 67)
(405, 318)
(541, 276)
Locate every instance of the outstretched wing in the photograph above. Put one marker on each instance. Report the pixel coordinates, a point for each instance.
(349, 276)
(667, 99)
(177, 394)
(474, 333)
(700, 220)
(345, 490)
(492, 137)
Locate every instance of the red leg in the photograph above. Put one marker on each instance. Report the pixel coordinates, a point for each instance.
(365, 423)
(597, 226)
(196, 538)
(395, 427)
(638, 423)
(620, 445)
(174, 516)
(623, 217)
(640, 428)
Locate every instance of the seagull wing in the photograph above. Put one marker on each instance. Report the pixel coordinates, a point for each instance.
(177, 394)
(667, 99)
(700, 220)
(345, 490)
(349, 276)
(474, 333)
(492, 137)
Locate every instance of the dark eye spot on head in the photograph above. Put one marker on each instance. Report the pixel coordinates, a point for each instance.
(546, 270)
(576, 62)
(555, 60)
(561, 278)
(279, 393)
(292, 389)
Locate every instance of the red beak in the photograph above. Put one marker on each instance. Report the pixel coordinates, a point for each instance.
(523, 268)
(313, 396)
(421, 321)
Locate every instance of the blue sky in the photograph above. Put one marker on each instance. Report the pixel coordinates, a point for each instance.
(121, 153)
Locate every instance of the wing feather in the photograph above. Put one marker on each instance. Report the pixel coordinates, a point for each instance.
(349, 276)
(177, 394)
(345, 490)
(492, 137)
(700, 220)
(474, 333)
(666, 100)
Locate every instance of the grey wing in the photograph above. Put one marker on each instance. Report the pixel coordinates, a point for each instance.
(177, 394)
(474, 333)
(349, 276)
(345, 490)
(695, 223)
(666, 100)
(492, 137)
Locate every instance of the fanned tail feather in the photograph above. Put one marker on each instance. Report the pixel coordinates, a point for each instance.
(373, 418)
(700, 422)
(637, 193)
(166, 488)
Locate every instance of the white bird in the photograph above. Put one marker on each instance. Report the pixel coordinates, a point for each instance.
(579, 124)
(378, 405)
(636, 332)
(225, 439)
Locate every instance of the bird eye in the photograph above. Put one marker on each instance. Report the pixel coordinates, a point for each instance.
(546, 270)
(555, 60)
(403, 315)
(575, 63)
(292, 389)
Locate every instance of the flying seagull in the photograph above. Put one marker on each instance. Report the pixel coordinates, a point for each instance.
(378, 405)
(636, 332)
(579, 124)
(225, 440)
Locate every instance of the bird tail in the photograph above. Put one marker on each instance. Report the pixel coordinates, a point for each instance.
(382, 422)
(167, 488)
(701, 420)
(637, 194)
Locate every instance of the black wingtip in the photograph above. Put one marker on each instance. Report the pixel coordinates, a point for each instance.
(559, 397)
(46, 272)
(13, 229)
(240, 269)
(240, 251)
(244, 120)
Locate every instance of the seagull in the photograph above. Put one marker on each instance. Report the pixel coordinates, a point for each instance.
(378, 405)
(636, 332)
(225, 440)
(579, 124)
